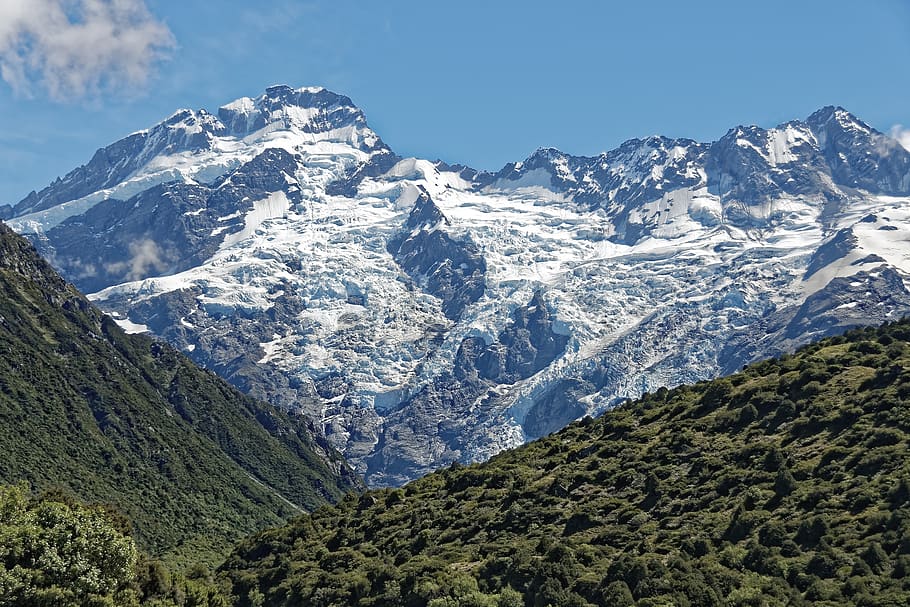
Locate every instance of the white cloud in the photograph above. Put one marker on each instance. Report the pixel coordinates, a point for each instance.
(78, 48)
(902, 135)
(145, 259)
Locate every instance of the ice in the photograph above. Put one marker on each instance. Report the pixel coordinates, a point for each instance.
(276, 205)
(129, 326)
(314, 277)
(270, 349)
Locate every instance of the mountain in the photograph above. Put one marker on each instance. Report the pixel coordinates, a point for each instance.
(130, 422)
(784, 484)
(421, 313)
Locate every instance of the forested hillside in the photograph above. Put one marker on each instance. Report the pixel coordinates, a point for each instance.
(123, 420)
(785, 484)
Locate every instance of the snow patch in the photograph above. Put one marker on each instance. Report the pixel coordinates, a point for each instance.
(129, 326)
(276, 205)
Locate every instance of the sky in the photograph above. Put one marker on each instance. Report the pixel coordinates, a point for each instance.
(477, 83)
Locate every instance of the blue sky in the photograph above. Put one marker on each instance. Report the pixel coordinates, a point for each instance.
(481, 83)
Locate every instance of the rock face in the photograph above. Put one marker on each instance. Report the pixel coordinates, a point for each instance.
(525, 347)
(422, 313)
(450, 270)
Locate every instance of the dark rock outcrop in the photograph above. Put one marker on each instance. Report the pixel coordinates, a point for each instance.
(452, 270)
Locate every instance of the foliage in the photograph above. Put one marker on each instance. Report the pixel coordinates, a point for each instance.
(61, 553)
(786, 484)
(123, 420)
(57, 551)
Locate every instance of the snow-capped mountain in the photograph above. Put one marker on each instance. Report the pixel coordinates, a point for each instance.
(424, 313)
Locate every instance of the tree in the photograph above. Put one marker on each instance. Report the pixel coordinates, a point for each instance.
(618, 594)
(62, 553)
(784, 484)
(510, 597)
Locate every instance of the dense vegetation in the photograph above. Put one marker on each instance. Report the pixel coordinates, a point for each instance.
(56, 551)
(123, 420)
(785, 484)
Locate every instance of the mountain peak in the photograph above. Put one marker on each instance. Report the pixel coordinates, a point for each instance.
(832, 114)
(314, 111)
(424, 214)
(282, 95)
(193, 121)
(547, 153)
(858, 155)
(283, 89)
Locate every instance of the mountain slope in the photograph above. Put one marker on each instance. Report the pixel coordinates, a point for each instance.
(121, 419)
(281, 244)
(785, 484)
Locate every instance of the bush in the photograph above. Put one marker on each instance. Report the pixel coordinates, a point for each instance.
(876, 558)
(62, 553)
(784, 483)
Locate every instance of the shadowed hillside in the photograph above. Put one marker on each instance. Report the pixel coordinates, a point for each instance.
(124, 420)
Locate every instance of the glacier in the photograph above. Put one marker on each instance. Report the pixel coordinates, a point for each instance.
(422, 313)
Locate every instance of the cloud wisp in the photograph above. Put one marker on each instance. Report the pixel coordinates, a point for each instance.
(902, 134)
(145, 259)
(73, 49)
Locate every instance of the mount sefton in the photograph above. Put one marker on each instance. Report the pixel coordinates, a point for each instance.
(422, 313)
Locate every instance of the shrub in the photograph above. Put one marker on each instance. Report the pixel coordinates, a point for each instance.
(62, 554)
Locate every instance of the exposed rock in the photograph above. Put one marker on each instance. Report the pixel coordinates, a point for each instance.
(452, 270)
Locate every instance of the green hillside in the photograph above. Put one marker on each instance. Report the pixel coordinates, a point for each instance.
(786, 484)
(126, 421)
